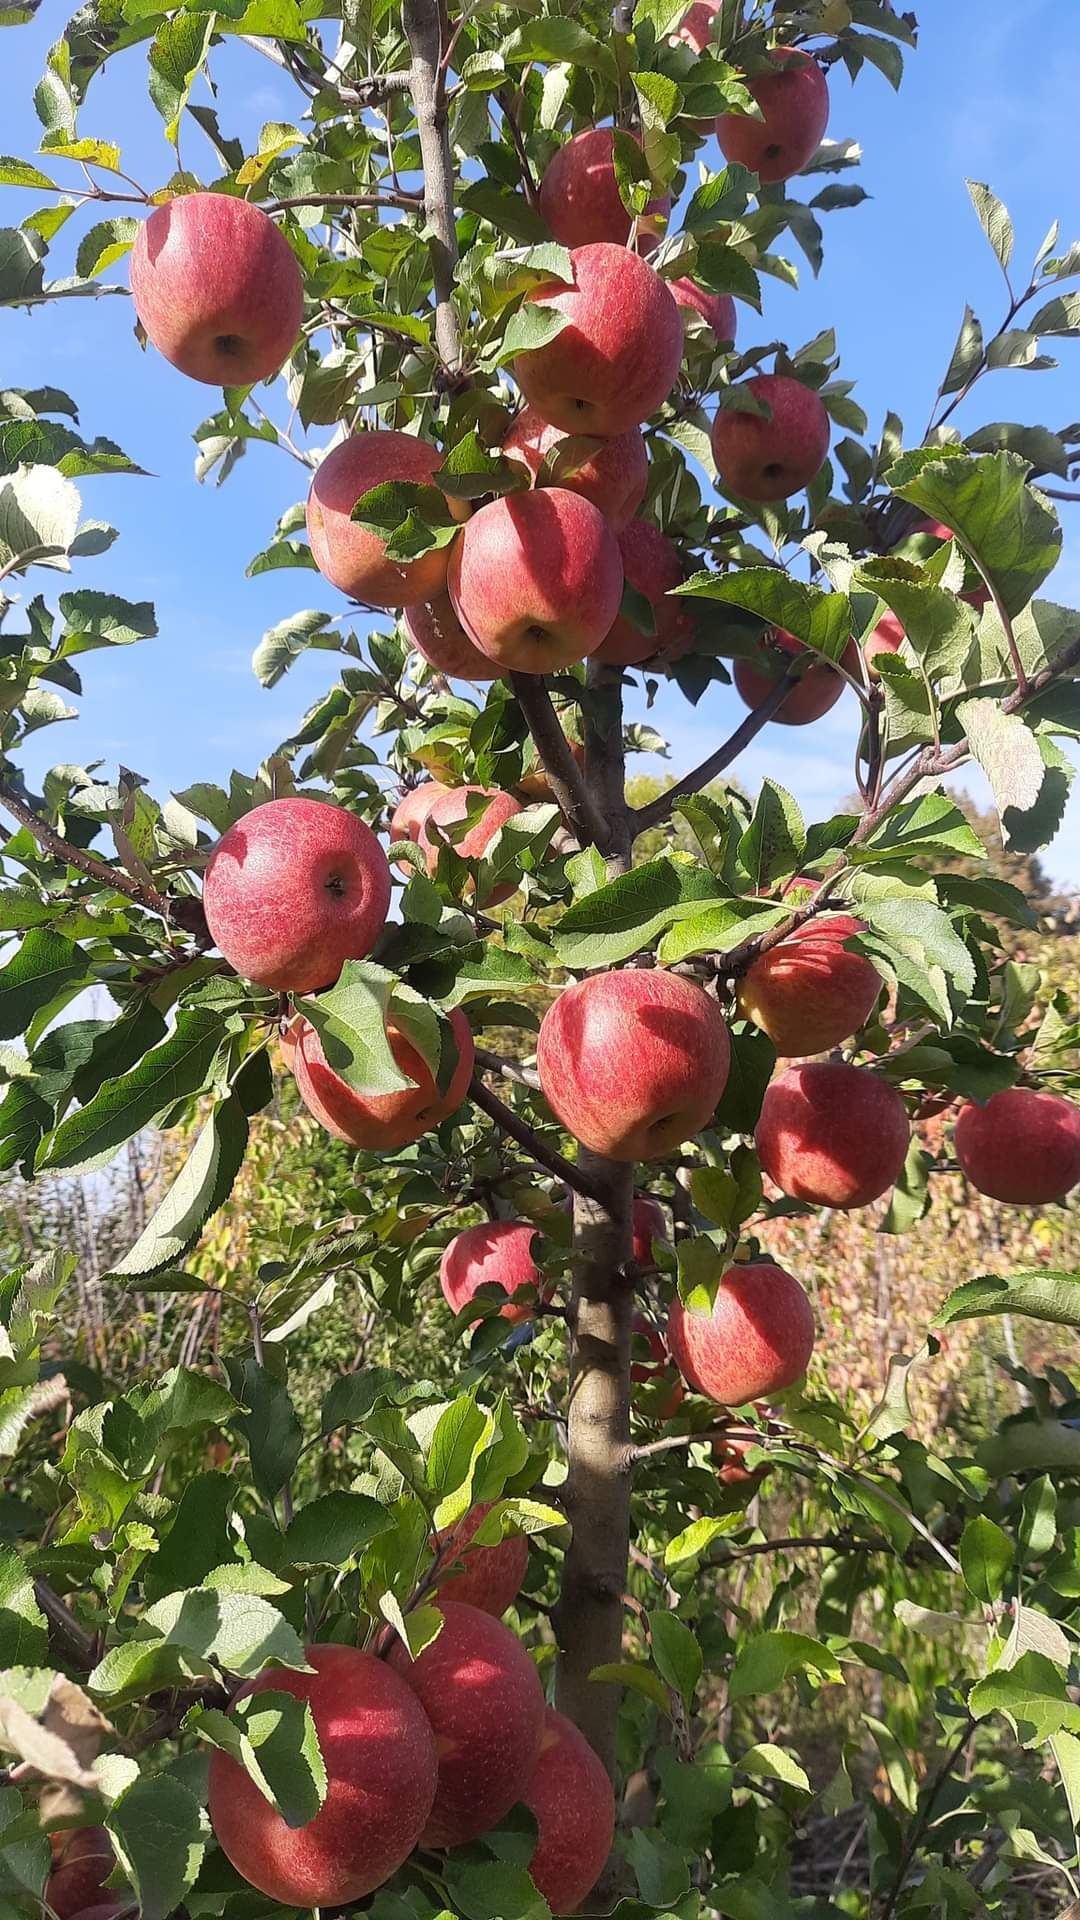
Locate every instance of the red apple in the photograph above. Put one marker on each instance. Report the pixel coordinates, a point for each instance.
(382, 1121)
(352, 557)
(613, 475)
(756, 1340)
(618, 357)
(483, 1698)
(83, 1860)
(1022, 1147)
(380, 1757)
(451, 806)
(580, 200)
(887, 637)
(491, 1577)
(817, 690)
(535, 785)
(437, 633)
(651, 564)
(732, 1470)
(696, 26)
(808, 993)
(770, 457)
(294, 889)
(834, 1135)
(570, 1797)
(217, 289)
(718, 309)
(649, 1223)
(657, 1371)
(794, 102)
(536, 579)
(410, 813)
(633, 1062)
(496, 1253)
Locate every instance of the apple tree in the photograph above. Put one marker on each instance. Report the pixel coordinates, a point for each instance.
(501, 296)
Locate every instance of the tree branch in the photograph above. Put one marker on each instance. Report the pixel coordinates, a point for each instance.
(510, 1070)
(921, 1821)
(100, 870)
(423, 23)
(81, 1644)
(664, 805)
(568, 784)
(574, 1176)
(410, 202)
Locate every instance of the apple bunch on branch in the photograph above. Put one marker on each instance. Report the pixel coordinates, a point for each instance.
(496, 257)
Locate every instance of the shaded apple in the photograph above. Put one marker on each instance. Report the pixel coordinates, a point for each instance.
(293, 889)
(1021, 1147)
(833, 1135)
(580, 199)
(887, 637)
(217, 288)
(793, 96)
(352, 557)
(489, 1577)
(648, 1222)
(770, 457)
(410, 813)
(612, 474)
(452, 806)
(571, 1798)
(718, 309)
(695, 27)
(617, 358)
(817, 689)
(756, 1340)
(380, 1757)
(664, 1390)
(381, 1121)
(653, 566)
(83, 1859)
(536, 579)
(808, 993)
(536, 785)
(495, 1253)
(437, 633)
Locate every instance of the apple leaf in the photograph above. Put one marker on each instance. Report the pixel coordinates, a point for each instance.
(274, 1738)
(822, 621)
(1009, 529)
(350, 1020)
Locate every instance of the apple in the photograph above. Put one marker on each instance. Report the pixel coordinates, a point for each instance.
(410, 813)
(696, 27)
(352, 557)
(382, 1121)
(217, 289)
(535, 785)
(437, 633)
(490, 1577)
(793, 97)
(618, 356)
(818, 688)
(83, 1859)
(483, 1698)
(808, 993)
(648, 1223)
(452, 806)
(887, 637)
(293, 889)
(495, 1253)
(632, 1063)
(652, 565)
(381, 1764)
(612, 474)
(757, 1339)
(718, 309)
(536, 579)
(1022, 1147)
(834, 1135)
(770, 457)
(732, 1470)
(580, 199)
(571, 1799)
(656, 1372)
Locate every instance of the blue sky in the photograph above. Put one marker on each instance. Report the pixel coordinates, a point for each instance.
(989, 95)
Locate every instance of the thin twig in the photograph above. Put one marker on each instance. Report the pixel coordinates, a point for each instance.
(509, 1069)
(410, 202)
(663, 807)
(108, 876)
(527, 1137)
(922, 1819)
(568, 783)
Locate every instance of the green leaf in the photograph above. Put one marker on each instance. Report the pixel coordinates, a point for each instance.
(966, 355)
(638, 1679)
(160, 1832)
(986, 1557)
(200, 1188)
(104, 245)
(676, 1653)
(822, 621)
(1054, 1297)
(350, 1020)
(461, 1431)
(285, 643)
(532, 326)
(42, 967)
(330, 1531)
(271, 1429)
(499, 1889)
(557, 39)
(774, 1763)
(93, 620)
(1059, 318)
(199, 1539)
(927, 828)
(775, 841)
(612, 922)
(239, 1632)
(1038, 1525)
(24, 1638)
(1008, 753)
(925, 934)
(1032, 1697)
(765, 1661)
(171, 1072)
(274, 1738)
(994, 220)
(20, 173)
(1009, 529)
(176, 55)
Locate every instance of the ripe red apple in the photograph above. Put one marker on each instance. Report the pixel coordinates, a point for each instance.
(410, 813)
(794, 102)
(1022, 1147)
(757, 1339)
(217, 289)
(732, 1470)
(817, 690)
(536, 579)
(649, 1223)
(482, 1695)
(437, 633)
(491, 1577)
(83, 1859)
(570, 1796)
(834, 1135)
(613, 476)
(617, 358)
(580, 200)
(653, 565)
(696, 26)
(535, 785)
(655, 1372)
(718, 309)
(770, 457)
(452, 805)
(381, 1121)
(294, 889)
(633, 1062)
(350, 556)
(495, 1253)
(808, 993)
(380, 1757)
(887, 637)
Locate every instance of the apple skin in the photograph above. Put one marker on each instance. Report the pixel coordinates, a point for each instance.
(217, 289)
(495, 1253)
(381, 1765)
(452, 805)
(808, 993)
(770, 458)
(718, 309)
(887, 637)
(731, 1469)
(536, 579)
(794, 103)
(535, 785)
(652, 564)
(632, 1063)
(757, 1339)
(648, 1222)
(347, 554)
(491, 1577)
(613, 478)
(1022, 1147)
(657, 1372)
(816, 691)
(619, 355)
(570, 1797)
(580, 200)
(482, 1695)
(834, 1135)
(437, 633)
(410, 813)
(381, 1121)
(293, 889)
(83, 1860)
